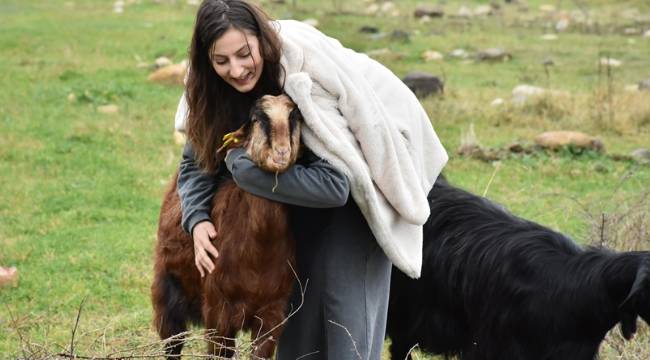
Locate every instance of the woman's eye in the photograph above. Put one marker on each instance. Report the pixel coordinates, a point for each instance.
(245, 55)
(220, 62)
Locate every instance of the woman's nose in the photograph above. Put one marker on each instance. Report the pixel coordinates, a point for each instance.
(237, 69)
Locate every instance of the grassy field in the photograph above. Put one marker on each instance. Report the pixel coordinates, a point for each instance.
(81, 189)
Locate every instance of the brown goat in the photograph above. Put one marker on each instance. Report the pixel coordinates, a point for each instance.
(252, 280)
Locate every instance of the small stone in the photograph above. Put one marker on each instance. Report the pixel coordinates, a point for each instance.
(600, 168)
(497, 102)
(384, 54)
(431, 55)
(516, 148)
(644, 84)
(631, 88)
(610, 62)
(425, 19)
(483, 10)
(547, 8)
(631, 31)
(72, 97)
(430, 11)
(522, 93)
(646, 34)
(162, 62)
(556, 139)
(8, 276)
(562, 25)
(465, 12)
(494, 54)
(193, 2)
(169, 75)
(459, 53)
(423, 84)
(548, 62)
(108, 109)
(549, 37)
(311, 21)
(387, 7)
(368, 29)
(400, 35)
(372, 9)
(641, 155)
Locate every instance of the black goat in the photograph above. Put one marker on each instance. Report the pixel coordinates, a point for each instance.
(495, 286)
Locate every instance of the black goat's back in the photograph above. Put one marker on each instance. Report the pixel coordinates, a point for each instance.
(495, 286)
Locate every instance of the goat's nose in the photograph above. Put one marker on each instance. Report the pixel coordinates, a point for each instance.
(282, 151)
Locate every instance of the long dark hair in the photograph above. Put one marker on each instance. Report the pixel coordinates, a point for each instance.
(215, 107)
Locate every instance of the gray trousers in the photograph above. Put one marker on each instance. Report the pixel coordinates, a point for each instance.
(347, 279)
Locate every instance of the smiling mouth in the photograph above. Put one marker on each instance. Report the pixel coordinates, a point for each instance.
(245, 79)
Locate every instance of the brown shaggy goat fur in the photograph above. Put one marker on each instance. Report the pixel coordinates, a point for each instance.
(253, 278)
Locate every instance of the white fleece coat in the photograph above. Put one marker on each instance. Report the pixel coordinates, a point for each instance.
(362, 119)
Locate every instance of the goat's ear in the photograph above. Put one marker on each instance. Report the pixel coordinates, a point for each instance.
(255, 110)
(628, 325)
(636, 302)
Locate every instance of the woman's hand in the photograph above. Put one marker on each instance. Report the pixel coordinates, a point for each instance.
(202, 233)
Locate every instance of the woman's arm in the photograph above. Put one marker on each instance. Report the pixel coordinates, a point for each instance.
(311, 183)
(196, 189)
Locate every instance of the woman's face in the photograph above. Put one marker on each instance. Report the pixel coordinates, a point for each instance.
(236, 59)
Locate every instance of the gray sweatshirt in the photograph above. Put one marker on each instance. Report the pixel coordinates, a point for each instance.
(311, 182)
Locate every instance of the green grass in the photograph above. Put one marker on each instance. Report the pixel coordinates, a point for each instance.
(81, 189)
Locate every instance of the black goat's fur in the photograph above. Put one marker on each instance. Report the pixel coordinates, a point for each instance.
(495, 286)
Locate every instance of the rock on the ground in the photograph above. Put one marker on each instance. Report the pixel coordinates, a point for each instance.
(431, 55)
(366, 29)
(428, 10)
(400, 35)
(169, 75)
(423, 84)
(459, 53)
(311, 21)
(483, 10)
(108, 109)
(465, 12)
(641, 155)
(644, 84)
(494, 54)
(497, 102)
(522, 93)
(162, 62)
(556, 139)
(610, 62)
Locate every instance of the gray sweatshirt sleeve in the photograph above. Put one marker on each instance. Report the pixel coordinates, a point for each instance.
(196, 188)
(312, 183)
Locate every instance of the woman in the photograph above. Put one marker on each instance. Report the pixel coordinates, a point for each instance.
(238, 55)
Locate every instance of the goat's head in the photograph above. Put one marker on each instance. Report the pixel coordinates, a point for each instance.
(274, 134)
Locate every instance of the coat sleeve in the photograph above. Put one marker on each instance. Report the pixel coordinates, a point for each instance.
(196, 188)
(313, 182)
